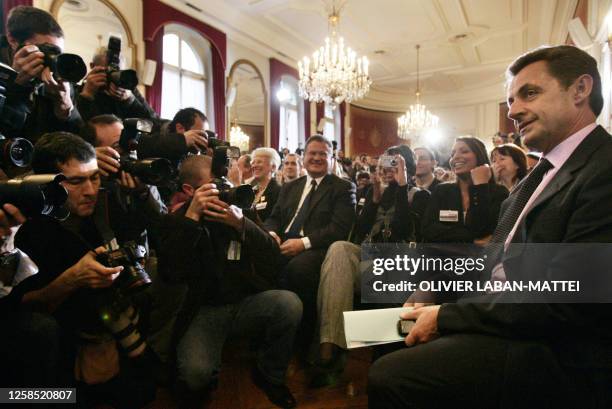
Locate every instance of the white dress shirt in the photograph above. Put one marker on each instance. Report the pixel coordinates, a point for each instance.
(305, 192)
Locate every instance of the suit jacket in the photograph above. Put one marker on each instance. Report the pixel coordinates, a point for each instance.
(485, 202)
(331, 214)
(269, 197)
(573, 208)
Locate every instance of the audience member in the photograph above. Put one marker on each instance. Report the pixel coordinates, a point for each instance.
(509, 165)
(426, 163)
(465, 211)
(292, 167)
(390, 216)
(265, 163)
(311, 213)
(532, 160)
(228, 263)
(245, 168)
(491, 353)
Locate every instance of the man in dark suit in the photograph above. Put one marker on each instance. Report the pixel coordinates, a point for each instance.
(495, 354)
(311, 213)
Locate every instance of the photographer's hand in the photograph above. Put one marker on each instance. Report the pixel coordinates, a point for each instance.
(202, 198)
(96, 79)
(481, 174)
(196, 139)
(131, 183)
(29, 63)
(88, 272)
(400, 171)
(230, 215)
(376, 186)
(108, 160)
(59, 93)
(120, 94)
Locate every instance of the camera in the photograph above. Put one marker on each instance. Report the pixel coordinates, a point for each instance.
(241, 196)
(15, 152)
(388, 161)
(151, 171)
(64, 66)
(36, 194)
(133, 278)
(127, 79)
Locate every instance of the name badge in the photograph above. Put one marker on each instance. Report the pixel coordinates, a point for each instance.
(449, 215)
(233, 252)
(261, 206)
(362, 201)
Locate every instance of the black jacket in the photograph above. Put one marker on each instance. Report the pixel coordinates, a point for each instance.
(481, 218)
(331, 214)
(405, 222)
(196, 254)
(267, 200)
(573, 208)
(102, 103)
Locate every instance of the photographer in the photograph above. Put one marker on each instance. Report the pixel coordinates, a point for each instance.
(99, 95)
(134, 206)
(47, 102)
(95, 314)
(228, 264)
(175, 139)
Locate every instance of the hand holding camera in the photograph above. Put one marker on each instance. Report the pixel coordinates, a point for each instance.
(196, 139)
(108, 160)
(202, 198)
(118, 93)
(96, 79)
(29, 63)
(89, 272)
(10, 216)
(400, 171)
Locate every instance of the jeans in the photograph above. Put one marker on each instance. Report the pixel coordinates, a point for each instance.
(273, 316)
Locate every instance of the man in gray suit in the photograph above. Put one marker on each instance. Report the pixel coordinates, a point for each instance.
(492, 354)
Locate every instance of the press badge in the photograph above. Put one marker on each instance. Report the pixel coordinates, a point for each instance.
(449, 215)
(233, 252)
(261, 206)
(362, 201)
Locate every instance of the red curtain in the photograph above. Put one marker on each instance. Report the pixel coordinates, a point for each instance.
(154, 50)
(342, 119)
(373, 131)
(320, 115)
(7, 5)
(157, 14)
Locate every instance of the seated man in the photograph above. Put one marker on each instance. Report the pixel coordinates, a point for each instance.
(390, 215)
(292, 168)
(99, 96)
(48, 107)
(228, 263)
(95, 314)
(493, 353)
(311, 213)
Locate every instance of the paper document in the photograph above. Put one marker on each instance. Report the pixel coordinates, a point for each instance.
(372, 327)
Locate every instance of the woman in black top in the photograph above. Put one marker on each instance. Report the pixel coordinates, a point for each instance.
(265, 162)
(465, 211)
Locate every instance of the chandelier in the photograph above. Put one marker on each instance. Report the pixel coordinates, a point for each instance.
(417, 118)
(239, 138)
(335, 74)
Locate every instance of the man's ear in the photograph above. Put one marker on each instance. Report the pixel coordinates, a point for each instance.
(180, 128)
(12, 42)
(583, 86)
(187, 189)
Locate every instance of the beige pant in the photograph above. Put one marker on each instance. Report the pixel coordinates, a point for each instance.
(340, 279)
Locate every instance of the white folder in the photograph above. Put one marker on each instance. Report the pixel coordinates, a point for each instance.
(372, 327)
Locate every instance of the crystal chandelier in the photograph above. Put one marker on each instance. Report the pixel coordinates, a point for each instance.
(335, 74)
(417, 118)
(239, 138)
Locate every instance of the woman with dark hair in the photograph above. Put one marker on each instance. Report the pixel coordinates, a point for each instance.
(509, 164)
(465, 211)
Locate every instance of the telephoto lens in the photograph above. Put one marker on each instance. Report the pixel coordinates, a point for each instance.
(151, 171)
(15, 152)
(36, 195)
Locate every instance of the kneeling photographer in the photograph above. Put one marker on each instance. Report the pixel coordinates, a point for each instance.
(228, 263)
(87, 281)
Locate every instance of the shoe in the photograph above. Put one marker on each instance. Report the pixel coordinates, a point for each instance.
(328, 372)
(279, 395)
